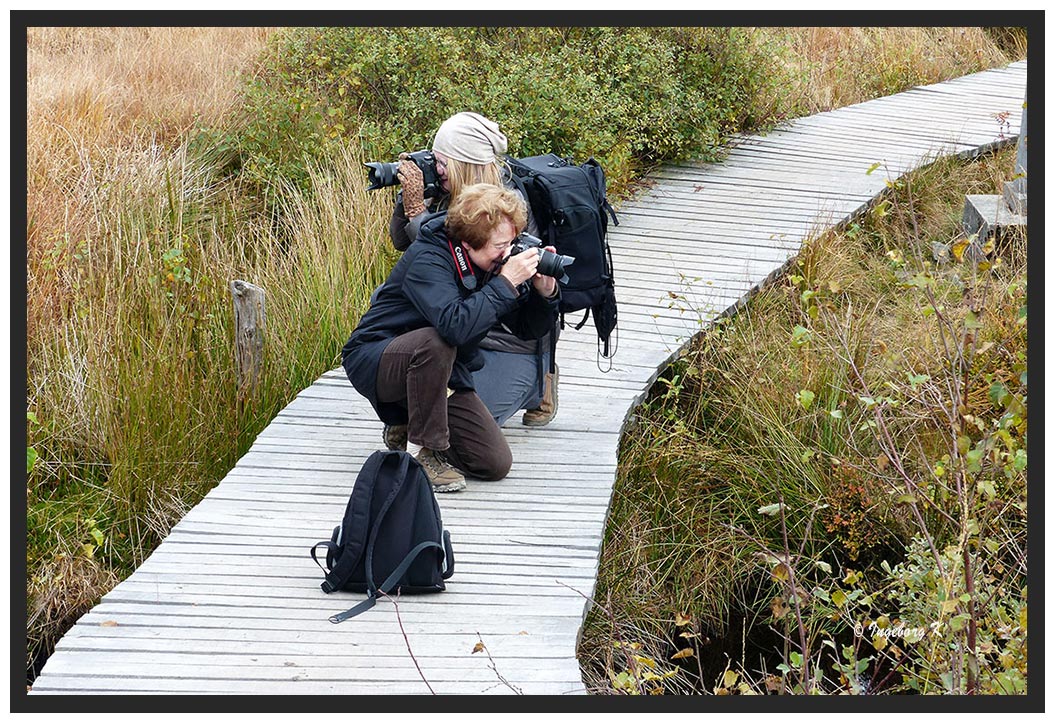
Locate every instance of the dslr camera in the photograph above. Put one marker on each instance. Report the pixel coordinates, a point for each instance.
(381, 174)
(550, 264)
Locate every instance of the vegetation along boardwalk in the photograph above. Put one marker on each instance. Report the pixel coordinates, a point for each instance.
(230, 602)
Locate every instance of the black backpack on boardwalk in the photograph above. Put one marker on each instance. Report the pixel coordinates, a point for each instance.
(570, 207)
(392, 531)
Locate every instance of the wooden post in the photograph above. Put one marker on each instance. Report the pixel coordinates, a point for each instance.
(249, 334)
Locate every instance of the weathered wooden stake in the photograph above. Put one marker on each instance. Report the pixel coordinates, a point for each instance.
(249, 334)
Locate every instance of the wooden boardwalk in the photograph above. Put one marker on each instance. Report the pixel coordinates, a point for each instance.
(230, 601)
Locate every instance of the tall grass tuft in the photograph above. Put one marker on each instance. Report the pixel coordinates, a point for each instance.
(832, 67)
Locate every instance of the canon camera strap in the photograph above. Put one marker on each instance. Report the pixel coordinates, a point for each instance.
(466, 275)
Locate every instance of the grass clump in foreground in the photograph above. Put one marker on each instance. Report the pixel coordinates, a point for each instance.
(827, 492)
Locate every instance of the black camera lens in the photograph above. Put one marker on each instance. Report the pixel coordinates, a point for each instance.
(553, 265)
(550, 264)
(381, 174)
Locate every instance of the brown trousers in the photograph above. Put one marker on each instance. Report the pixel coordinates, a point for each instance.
(414, 371)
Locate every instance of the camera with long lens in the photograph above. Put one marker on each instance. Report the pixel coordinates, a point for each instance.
(381, 174)
(550, 264)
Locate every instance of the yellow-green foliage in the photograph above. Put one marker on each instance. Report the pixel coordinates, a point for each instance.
(632, 97)
(629, 96)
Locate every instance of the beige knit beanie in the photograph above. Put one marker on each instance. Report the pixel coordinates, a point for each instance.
(470, 137)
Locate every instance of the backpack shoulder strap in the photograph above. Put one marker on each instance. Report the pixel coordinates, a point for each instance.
(392, 580)
(518, 182)
(358, 509)
(400, 477)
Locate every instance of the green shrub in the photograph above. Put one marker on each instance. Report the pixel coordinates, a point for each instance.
(632, 97)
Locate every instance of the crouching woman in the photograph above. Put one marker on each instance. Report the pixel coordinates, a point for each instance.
(420, 336)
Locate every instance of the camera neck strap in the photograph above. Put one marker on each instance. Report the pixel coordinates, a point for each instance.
(466, 275)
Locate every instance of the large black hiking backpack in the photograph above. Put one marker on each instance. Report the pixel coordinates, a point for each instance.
(569, 205)
(391, 531)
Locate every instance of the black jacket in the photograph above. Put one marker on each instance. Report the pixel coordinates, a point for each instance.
(424, 290)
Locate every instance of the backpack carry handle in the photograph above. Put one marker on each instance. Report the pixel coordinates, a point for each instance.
(329, 548)
(449, 557)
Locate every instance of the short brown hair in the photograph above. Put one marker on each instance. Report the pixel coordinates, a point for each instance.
(479, 210)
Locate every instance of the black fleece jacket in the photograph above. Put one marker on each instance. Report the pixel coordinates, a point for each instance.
(424, 290)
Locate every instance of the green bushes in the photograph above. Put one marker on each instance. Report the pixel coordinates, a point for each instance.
(631, 97)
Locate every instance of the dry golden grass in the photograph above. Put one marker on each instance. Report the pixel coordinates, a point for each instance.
(842, 66)
(100, 98)
(109, 86)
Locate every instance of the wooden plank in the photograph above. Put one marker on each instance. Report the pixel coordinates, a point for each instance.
(233, 606)
(202, 584)
(419, 619)
(78, 685)
(320, 666)
(298, 570)
(285, 642)
(496, 562)
(468, 550)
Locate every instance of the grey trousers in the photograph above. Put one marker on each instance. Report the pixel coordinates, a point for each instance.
(413, 371)
(509, 382)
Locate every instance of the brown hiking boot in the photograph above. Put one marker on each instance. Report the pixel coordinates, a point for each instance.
(442, 475)
(395, 437)
(543, 414)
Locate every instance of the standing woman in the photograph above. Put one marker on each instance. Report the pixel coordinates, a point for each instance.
(517, 373)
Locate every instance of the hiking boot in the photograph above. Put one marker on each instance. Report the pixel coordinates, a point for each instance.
(395, 437)
(543, 414)
(442, 475)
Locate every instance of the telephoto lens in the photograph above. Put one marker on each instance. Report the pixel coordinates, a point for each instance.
(381, 174)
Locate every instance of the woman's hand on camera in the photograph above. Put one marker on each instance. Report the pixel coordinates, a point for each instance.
(411, 181)
(546, 286)
(520, 268)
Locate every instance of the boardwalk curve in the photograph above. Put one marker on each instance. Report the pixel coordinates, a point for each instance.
(230, 601)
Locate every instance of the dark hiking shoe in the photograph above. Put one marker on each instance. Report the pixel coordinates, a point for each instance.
(442, 475)
(395, 437)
